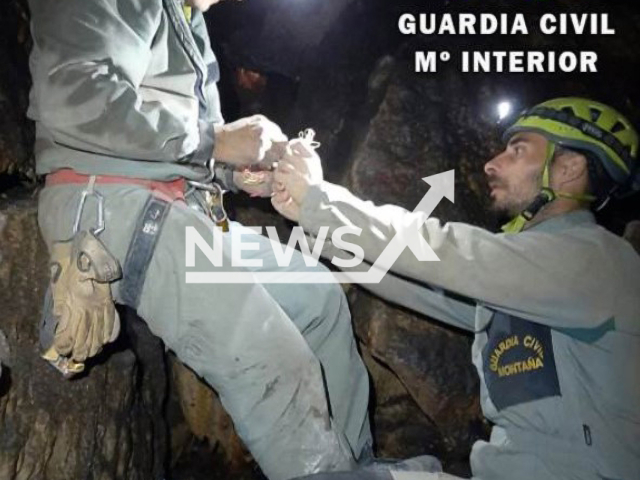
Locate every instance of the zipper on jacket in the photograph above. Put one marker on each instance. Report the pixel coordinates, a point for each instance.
(179, 23)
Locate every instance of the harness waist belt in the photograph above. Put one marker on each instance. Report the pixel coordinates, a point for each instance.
(172, 190)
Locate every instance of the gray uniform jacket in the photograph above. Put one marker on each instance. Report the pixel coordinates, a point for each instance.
(122, 87)
(556, 315)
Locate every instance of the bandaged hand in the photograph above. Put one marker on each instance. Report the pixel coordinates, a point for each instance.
(81, 272)
(249, 141)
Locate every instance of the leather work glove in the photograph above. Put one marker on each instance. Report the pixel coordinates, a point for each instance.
(81, 269)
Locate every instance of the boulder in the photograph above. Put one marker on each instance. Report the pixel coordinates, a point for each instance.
(206, 419)
(105, 425)
(16, 134)
(438, 386)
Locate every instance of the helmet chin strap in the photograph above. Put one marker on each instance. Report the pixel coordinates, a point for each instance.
(545, 196)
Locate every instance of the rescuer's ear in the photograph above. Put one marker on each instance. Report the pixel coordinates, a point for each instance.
(569, 167)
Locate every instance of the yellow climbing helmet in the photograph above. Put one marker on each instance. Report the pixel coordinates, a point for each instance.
(584, 125)
(589, 126)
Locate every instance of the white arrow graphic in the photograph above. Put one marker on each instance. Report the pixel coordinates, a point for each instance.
(442, 186)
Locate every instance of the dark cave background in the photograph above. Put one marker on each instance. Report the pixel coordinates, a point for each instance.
(329, 65)
(342, 68)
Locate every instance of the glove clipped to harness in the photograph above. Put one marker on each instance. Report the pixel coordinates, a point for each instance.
(86, 319)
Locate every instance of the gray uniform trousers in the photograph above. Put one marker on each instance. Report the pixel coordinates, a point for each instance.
(424, 467)
(379, 474)
(264, 348)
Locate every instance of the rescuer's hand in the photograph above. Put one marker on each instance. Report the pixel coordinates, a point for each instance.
(249, 141)
(299, 169)
(284, 205)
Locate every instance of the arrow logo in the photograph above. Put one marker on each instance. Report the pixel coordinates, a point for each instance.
(442, 186)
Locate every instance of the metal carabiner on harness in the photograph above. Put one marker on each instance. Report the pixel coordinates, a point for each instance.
(86, 193)
(214, 198)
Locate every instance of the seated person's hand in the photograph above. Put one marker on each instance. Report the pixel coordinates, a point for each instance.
(257, 183)
(249, 141)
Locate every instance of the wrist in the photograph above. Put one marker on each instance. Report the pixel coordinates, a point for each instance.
(309, 204)
(237, 179)
(220, 150)
(225, 176)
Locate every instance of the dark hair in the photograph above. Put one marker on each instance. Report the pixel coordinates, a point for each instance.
(600, 183)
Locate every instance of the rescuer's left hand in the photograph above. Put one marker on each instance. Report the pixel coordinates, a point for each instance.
(284, 205)
(299, 169)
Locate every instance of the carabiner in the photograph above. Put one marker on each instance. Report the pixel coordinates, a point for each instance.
(214, 197)
(90, 192)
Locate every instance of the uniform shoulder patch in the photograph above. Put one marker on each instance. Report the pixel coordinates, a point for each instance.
(518, 361)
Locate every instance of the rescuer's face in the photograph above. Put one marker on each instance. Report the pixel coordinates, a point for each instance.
(514, 176)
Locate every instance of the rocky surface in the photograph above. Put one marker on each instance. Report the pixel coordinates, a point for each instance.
(16, 134)
(433, 365)
(206, 419)
(342, 68)
(107, 424)
(632, 234)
